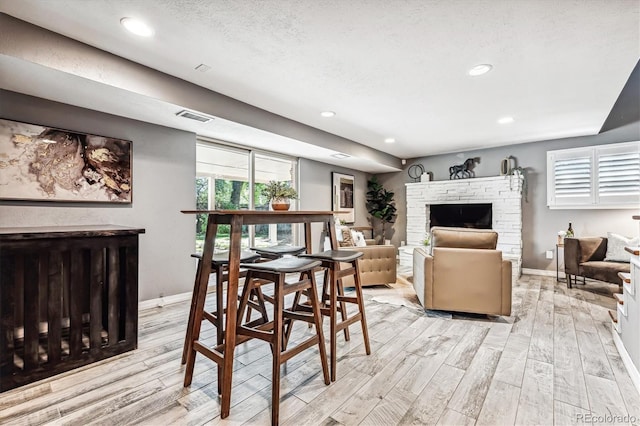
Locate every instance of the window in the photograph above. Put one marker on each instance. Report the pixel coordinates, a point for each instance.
(225, 178)
(604, 176)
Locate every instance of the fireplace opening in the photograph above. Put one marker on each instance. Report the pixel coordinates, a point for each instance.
(461, 215)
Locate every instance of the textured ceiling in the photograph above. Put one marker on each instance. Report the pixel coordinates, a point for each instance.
(388, 68)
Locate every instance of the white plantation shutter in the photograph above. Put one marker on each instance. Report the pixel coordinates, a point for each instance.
(618, 174)
(605, 176)
(573, 177)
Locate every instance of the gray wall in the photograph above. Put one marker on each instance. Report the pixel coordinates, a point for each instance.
(163, 184)
(540, 224)
(316, 188)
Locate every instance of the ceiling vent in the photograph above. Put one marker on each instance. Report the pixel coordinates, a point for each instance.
(192, 115)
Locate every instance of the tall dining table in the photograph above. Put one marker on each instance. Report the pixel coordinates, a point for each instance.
(223, 353)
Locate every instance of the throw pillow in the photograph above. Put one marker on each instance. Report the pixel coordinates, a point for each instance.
(358, 239)
(347, 238)
(615, 247)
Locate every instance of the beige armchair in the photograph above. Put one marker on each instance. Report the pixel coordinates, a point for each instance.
(377, 265)
(465, 273)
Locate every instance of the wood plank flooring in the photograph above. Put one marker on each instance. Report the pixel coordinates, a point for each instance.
(551, 362)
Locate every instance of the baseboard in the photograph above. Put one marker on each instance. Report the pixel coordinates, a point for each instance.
(626, 359)
(166, 300)
(542, 272)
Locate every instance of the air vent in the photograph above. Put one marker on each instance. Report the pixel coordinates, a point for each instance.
(192, 115)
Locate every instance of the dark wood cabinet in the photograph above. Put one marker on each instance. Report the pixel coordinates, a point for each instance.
(68, 297)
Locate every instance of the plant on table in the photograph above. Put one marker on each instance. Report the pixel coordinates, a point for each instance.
(280, 193)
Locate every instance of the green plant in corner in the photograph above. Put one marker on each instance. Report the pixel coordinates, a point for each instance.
(380, 204)
(520, 171)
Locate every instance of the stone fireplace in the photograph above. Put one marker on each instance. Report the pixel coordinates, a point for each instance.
(504, 193)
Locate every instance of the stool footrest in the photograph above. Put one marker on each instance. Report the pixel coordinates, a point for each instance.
(206, 351)
(346, 323)
(348, 299)
(212, 317)
(286, 355)
(297, 316)
(259, 332)
(345, 272)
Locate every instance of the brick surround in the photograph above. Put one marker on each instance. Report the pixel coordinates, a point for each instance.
(503, 192)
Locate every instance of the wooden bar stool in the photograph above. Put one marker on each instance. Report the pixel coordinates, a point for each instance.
(273, 332)
(333, 292)
(219, 265)
(276, 252)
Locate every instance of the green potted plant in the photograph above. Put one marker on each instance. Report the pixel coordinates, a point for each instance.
(380, 205)
(280, 194)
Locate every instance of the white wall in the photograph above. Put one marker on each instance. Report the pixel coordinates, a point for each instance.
(163, 184)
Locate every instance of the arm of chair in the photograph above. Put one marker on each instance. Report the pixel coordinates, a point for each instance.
(571, 256)
(423, 276)
(506, 287)
(578, 250)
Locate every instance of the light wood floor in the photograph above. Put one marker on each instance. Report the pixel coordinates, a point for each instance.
(552, 362)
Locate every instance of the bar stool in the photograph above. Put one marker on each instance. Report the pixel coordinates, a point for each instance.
(333, 291)
(219, 265)
(272, 253)
(273, 332)
(276, 252)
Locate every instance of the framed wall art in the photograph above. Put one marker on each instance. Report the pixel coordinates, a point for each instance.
(343, 193)
(40, 163)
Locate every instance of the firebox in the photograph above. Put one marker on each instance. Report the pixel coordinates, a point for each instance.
(461, 215)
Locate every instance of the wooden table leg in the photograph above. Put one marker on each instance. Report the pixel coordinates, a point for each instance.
(232, 311)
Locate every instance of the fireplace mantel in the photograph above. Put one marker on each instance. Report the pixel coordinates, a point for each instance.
(503, 192)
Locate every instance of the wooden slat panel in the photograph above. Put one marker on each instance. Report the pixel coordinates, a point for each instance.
(95, 299)
(31, 310)
(54, 308)
(131, 290)
(77, 282)
(113, 299)
(10, 266)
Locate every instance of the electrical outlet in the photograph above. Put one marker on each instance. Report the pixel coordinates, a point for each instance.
(549, 254)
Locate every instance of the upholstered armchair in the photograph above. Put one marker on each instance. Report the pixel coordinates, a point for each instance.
(378, 264)
(465, 273)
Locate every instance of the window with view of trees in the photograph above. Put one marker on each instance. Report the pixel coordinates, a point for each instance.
(223, 183)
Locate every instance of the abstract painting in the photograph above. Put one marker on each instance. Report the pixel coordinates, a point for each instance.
(49, 164)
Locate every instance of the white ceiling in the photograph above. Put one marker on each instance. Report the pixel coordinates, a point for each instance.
(388, 68)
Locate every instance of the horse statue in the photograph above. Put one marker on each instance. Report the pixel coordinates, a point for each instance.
(464, 170)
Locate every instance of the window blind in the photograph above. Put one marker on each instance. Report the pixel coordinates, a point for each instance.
(573, 177)
(604, 176)
(619, 175)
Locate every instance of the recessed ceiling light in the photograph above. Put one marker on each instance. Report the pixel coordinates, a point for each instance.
(340, 155)
(505, 120)
(389, 140)
(327, 114)
(137, 27)
(480, 69)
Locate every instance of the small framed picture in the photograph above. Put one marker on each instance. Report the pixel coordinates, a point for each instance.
(342, 197)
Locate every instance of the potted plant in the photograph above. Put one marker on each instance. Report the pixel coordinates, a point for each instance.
(380, 205)
(280, 194)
